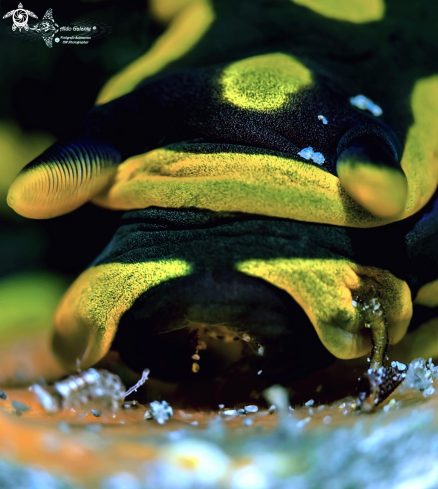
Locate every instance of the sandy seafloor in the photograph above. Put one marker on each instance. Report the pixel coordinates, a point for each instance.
(331, 446)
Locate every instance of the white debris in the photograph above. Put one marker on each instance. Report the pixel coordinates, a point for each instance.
(91, 386)
(309, 403)
(272, 409)
(364, 103)
(327, 419)
(47, 401)
(323, 119)
(420, 376)
(247, 422)
(309, 154)
(278, 396)
(354, 303)
(400, 366)
(160, 412)
(251, 409)
(229, 412)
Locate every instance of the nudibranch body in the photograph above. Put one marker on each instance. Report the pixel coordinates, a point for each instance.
(250, 215)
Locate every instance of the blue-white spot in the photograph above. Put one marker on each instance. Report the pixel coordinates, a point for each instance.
(309, 154)
(323, 119)
(364, 103)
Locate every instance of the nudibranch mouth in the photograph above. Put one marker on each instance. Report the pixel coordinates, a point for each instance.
(212, 324)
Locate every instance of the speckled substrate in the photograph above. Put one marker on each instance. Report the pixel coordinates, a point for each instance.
(312, 446)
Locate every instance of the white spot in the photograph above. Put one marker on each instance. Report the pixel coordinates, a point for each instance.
(160, 411)
(327, 419)
(230, 412)
(354, 303)
(309, 154)
(364, 103)
(259, 372)
(323, 119)
(309, 403)
(251, 409)
(400, 366)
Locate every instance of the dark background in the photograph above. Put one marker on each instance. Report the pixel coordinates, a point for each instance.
(51, 90)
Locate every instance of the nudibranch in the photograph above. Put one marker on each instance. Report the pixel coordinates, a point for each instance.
(262, 197)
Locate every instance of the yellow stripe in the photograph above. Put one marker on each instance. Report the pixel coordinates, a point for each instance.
(356, 11)
(89, 314)
(184, 32)
(234, 182)
(325, 288)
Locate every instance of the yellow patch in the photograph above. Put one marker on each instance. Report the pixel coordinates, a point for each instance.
(264, 82)
(89, 314)
(325, 288)
(420, 156)
(428, 295)
(356, 11)
(420, 343)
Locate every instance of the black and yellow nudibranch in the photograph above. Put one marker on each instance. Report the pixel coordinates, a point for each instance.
(256, 192)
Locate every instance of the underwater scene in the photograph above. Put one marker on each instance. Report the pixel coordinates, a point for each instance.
(219, 244)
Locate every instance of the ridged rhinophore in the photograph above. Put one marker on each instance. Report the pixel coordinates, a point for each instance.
(62, 179)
